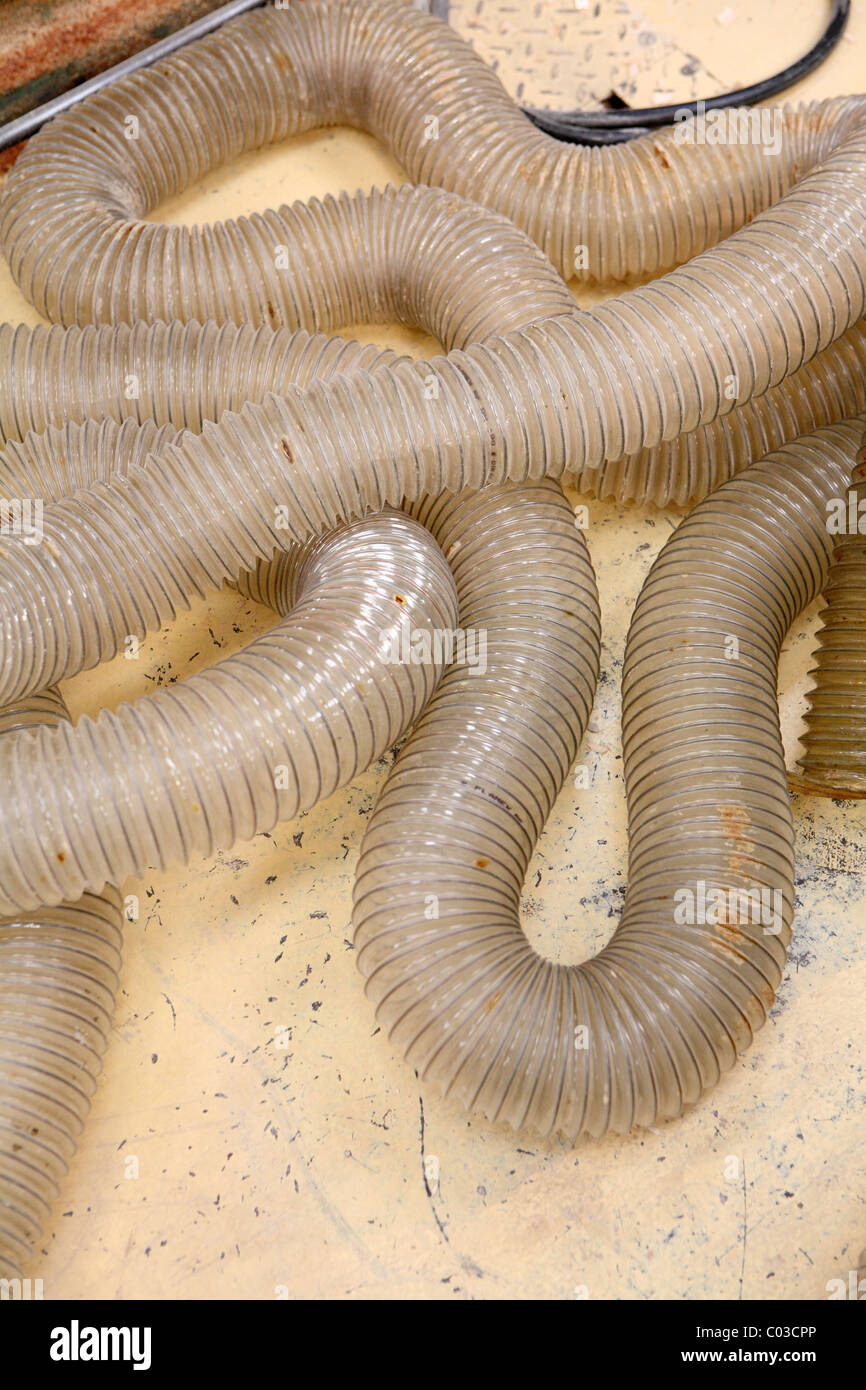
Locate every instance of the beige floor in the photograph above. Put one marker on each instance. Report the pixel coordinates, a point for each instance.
(270, 1171)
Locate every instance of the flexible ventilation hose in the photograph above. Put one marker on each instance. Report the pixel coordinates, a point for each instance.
(57, 375)
(105, 828)
(577, 392)
(186, 770)
(834, 745)
(61, 460)
(251, 740)
(174, 374)
(831, 387)
(572, 393)
(71, 221)
(638, 1032)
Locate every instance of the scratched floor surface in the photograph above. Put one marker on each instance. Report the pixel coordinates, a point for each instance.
(255, 1136)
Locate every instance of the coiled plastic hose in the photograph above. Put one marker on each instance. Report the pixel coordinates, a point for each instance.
(71, 227)
(577, 392)
(61, 460)
(181, 772)
(834, 745)
(193, 768)
(574, 392)
(641, 1030)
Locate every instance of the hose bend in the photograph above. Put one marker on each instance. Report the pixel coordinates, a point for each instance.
(71, 219)
(655, 394)
(640, 1031)
(250, 741)
(315, 692)
(194, 802)
(567, 394)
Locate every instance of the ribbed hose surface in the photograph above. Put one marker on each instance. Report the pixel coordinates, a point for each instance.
(570, 393)
(58, 980)
(252, 740)
(178, 374)
(834, 745)
(57, 375)
(577, 392)
(182, 772)
(103, 769)
(641, 1030)
(71, 219)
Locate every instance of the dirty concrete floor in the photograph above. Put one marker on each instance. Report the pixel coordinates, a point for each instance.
(255, 1136)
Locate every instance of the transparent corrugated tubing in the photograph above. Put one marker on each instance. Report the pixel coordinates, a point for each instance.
(225, 754)
(315, 700)
(642, 1029)
(76, 247)
(658, 395)
(833, 762)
